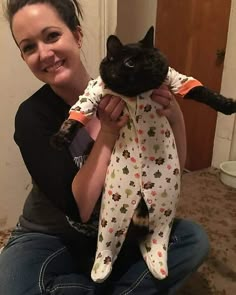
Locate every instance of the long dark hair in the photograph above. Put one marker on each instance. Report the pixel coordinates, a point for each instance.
(68, 10)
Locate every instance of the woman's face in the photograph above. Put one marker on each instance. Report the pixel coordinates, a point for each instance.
(47, 45)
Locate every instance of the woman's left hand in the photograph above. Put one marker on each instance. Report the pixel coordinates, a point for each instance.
(174, 115)
(169, 106)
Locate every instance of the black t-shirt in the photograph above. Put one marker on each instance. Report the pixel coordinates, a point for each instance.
(50, 206)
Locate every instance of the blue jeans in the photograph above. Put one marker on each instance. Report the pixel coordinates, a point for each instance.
(36, 264)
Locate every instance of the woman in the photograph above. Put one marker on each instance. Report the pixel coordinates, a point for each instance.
(52, 249)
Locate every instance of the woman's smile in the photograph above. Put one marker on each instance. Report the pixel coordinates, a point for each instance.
(47, 46)
(53, 68)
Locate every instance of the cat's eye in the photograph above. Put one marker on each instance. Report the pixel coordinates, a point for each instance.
(129, 63)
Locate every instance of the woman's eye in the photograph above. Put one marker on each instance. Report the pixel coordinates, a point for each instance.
(129, 63)
(28, 48)
(53, 36)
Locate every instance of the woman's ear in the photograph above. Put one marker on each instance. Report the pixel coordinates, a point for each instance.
(78, 36)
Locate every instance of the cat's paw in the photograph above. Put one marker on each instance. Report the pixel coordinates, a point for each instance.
(102, 266)
(65, 135)
(59, 141)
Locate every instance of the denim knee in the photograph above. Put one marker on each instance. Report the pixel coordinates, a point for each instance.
(200, 244)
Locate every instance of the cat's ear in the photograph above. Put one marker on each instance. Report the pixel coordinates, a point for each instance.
(148, 41)
(114, 46)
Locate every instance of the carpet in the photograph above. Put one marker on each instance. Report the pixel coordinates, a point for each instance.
(207, 201)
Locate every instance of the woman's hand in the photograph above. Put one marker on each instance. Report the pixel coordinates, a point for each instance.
(110, 111)
(169, 107)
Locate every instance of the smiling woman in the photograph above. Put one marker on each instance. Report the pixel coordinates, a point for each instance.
(52, 248)
(49, 48)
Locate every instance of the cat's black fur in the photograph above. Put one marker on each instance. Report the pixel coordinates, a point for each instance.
(214, 100)
(133, 69)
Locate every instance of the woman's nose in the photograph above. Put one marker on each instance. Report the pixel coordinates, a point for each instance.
(45, 51)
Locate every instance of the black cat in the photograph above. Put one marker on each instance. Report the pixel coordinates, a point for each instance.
(133, 69)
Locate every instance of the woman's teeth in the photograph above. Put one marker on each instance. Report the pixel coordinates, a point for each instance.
(54, 67)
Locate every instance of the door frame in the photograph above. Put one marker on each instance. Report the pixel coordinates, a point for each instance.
(225, 136)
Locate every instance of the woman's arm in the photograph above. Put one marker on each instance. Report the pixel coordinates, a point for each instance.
(172, 111)
(89, 181)
(37, 119)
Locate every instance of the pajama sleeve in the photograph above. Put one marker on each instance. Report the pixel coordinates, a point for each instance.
(87, 103)
(180, 84)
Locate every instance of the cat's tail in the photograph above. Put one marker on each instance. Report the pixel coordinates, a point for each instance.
(140, 220)
(216, 101)
(66, 134)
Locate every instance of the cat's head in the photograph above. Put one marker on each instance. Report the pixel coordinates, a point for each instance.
(133, 68)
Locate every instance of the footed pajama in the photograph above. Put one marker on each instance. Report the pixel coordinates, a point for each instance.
(144, 164)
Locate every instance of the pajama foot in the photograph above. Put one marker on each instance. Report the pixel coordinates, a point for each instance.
(102, 266)
(156, 260)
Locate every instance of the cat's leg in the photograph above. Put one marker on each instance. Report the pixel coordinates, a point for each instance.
(154, 247)
(120, 199)
(114, 222)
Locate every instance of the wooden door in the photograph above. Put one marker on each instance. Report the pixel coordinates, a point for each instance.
(192, 33)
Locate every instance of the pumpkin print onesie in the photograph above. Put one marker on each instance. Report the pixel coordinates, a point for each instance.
(144, 164)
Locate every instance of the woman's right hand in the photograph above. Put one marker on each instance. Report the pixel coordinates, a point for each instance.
(110, 113)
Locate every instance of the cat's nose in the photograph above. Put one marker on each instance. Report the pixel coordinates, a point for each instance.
(113, 75)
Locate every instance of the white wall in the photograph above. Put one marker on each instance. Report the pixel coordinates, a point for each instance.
(134, 18)
(16, 84)
(225, 136)
(99, 21)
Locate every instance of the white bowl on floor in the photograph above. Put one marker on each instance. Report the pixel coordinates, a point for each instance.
(228, 173)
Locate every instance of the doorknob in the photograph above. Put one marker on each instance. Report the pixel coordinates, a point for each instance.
(220, 55)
